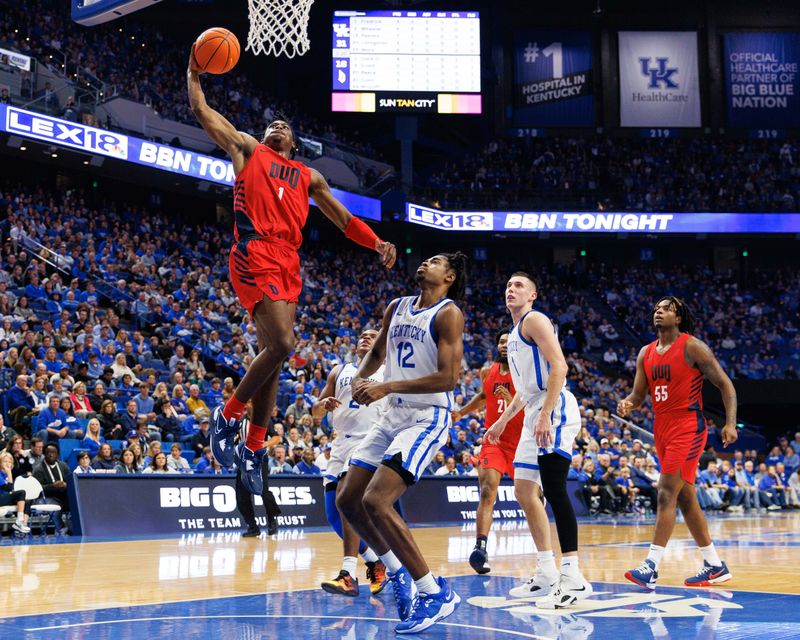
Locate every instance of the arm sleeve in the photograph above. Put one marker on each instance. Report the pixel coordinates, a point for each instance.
(357, 231)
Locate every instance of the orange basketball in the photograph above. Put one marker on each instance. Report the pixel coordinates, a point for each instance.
(216, 50)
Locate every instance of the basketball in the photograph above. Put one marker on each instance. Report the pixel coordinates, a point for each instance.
(216, 50)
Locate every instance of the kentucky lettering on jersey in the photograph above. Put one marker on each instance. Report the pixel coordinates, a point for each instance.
(530, 370)
(412, 352)
(409, 331)
(351, 418)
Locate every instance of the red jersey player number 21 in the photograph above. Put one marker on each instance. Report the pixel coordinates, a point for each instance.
(271, 197)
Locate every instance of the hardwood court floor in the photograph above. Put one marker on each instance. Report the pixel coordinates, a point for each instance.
(76, 575)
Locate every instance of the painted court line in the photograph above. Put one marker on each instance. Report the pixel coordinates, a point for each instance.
(265, 616)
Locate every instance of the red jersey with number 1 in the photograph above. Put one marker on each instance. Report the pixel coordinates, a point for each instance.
(495, 405)
(270, 198)
(675, 387)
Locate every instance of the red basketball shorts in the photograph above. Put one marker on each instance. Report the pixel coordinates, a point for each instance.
(680, 439)
(261, 268)
(498, 458)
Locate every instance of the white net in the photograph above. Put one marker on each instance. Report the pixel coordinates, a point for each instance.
(279, 27)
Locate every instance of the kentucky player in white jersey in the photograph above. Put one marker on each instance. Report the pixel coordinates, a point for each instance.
(421, 342)
(544, 453)
(351, 421)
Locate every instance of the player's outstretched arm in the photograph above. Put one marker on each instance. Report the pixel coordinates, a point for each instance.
(639, 392)
(699, 355)
(237, 144)
(476, 403)
(353, 228)
(512, 408)
(326, 401)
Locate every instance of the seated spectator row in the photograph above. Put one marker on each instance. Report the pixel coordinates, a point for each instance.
(695, 174)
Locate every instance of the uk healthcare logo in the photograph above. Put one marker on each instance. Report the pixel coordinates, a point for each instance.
(659, 74)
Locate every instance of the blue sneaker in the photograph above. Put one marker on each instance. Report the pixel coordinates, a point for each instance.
(645, 575)
(249, 465)
(479, 560)
(429, 609)
(403, 586)
(709, 575)
(222, 433)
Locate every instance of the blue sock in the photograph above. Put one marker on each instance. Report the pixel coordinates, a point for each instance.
(331, 511)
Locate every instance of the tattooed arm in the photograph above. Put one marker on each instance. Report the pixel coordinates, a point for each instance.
(698, 355)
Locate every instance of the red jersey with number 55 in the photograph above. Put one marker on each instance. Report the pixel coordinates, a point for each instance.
(674, 385)
(270, 197)
(495, 405)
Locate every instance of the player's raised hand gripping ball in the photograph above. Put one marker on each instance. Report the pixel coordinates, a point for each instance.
(216, 50)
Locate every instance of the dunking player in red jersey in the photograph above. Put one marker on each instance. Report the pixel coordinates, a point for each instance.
(496, 459)
(673, 368)
(270, 198)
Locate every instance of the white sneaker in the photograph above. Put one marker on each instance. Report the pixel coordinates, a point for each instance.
(22, 528)
(773, 507)
(567, 593)
(538, 585)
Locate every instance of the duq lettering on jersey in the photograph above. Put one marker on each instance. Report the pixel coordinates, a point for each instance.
(223, 498)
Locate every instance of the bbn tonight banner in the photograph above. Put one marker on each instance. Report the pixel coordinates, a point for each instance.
(762, 80)
(553, 79)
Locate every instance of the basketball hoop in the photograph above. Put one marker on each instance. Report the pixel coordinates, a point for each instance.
(279, 27)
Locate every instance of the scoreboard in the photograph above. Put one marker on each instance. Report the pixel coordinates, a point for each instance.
(406, 61)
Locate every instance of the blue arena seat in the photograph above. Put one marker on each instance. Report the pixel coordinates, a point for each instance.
(67, 445)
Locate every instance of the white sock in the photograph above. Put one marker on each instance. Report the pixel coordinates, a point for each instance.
(547, 562)
(370, 556)
(655, 554)
(19, 518)
(393, 565)
(349, 564)
(570, 568)
(710, 555)
(427, 585)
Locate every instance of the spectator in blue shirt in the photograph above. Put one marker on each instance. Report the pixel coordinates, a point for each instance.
(21, 401)
(460, 445)
(576, 471)
(52, 423)
(93, 439)
(306, 466)
(277, 462)
(784, 474)
(128, 418)
(775, 456)
(145, 405)
(34, 290)
(771, 484)
(167, 422)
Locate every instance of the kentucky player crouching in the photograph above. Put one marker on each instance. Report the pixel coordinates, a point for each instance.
(351, 421)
